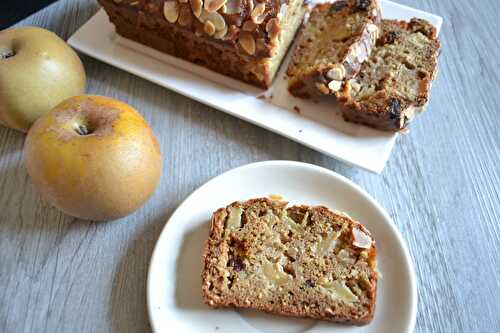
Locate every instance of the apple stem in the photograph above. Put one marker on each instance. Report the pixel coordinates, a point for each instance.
(81, 129)
(7, 54)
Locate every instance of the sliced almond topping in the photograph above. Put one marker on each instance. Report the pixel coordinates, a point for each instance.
(258, 13)
(213, 5)
(171, 11)
(221, 34)
(247, 42)
(335, 85)
(196, 6)
(183, 1)
(361, 239)
(232, 7)
(336, 73)
(249, 26)
(209, 28)
(273, 28)
(216, 19)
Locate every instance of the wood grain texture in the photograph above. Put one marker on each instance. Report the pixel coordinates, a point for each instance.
(441, 186)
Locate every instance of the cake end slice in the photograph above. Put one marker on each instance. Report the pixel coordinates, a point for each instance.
(393, 85)
(299, 261)
(332, 45)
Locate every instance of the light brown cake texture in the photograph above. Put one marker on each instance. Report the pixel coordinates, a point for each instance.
(299, 261)
(244, 39)
(393, 85)
(335, 41)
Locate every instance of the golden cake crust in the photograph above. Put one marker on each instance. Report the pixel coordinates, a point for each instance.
(245, 39)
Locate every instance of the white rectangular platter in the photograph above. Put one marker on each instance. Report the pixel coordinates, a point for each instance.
(314, 123)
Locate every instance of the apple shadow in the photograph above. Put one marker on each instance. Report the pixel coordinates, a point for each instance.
(189, 267)
(12, 141)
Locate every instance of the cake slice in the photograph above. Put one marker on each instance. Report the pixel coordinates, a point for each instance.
(299, 261)
(394, 83)
(332, 45)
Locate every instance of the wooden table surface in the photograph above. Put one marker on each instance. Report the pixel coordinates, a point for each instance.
(441, 186)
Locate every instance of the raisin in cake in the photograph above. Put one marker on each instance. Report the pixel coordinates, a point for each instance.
(245, 39)
(332, 45)
(298, 261)
(394, 83)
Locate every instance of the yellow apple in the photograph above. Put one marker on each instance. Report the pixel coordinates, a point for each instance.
(38, 70)
(93, 157)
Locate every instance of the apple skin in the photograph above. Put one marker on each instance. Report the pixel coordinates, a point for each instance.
(38, 70)
(93, 157)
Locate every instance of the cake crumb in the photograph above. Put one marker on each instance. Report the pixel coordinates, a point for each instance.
(296, 109)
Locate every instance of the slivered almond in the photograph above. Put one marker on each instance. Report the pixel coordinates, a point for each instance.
(221, 34)
(247, 42)
(171, 11)
(209, 28)
(249, 26)
(361, 239)
(196, 7)
(213, 5)
(258, 13)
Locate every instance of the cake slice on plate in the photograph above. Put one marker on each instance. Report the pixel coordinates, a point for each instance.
(299, 261)
(335, 41)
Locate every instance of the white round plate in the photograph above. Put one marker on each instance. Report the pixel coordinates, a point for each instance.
(174, 282)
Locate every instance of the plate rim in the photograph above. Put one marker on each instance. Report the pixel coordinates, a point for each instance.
(287, 163)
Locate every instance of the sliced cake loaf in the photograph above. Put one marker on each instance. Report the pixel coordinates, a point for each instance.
(333, 44)
(299, 261)
(393, 85)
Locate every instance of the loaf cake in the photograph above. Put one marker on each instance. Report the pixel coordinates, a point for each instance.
(394, 83)
(299, 261)
(335, 41)
(244, 39)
